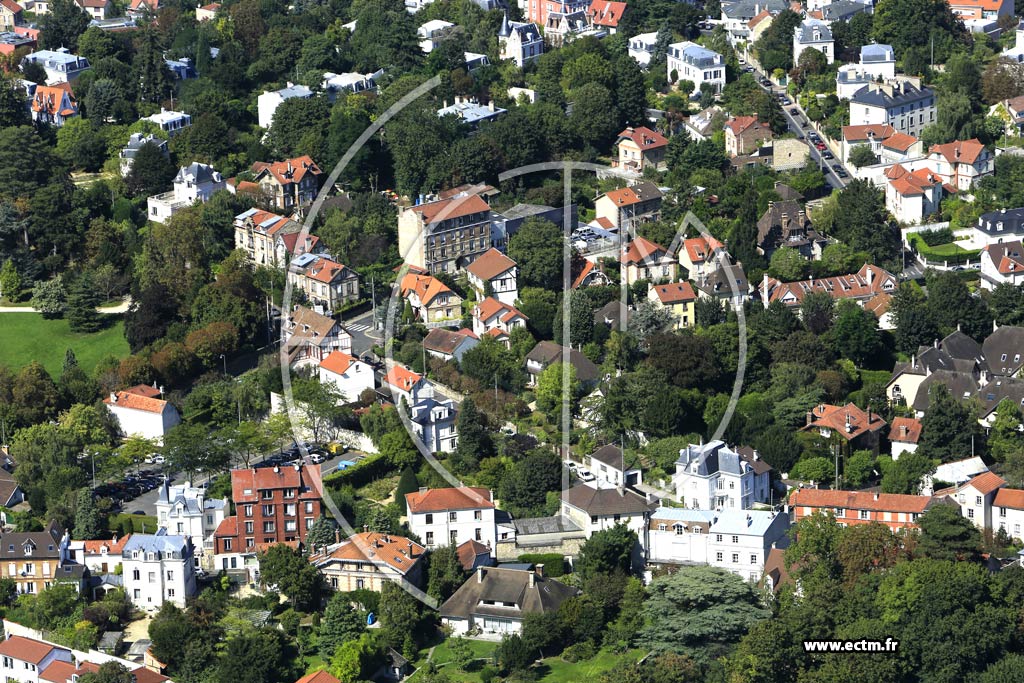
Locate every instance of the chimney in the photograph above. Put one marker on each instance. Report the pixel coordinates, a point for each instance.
(810, 418)
(876, 496)
(903, 430)
(113, 397)
(479, 574)
(936, 343)
(277, 469)
(538, 569)
(410, 548)
(532, 579)
(337, 535)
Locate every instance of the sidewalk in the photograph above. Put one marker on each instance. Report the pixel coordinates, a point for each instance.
(119, 308)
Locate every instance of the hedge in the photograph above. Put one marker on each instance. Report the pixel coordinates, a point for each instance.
(362, 473)
(554, 564)
(139, 523)
(949, 252)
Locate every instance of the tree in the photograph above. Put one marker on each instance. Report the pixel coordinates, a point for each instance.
(151, 172)
(293, 575)
(861, 156)
(537, 248)
(353, 660)
(855, 333)
(320, 407)
(698, 611)
(322, 533)
(650, 320)
(788, 264)
(865, 548)
(49, 297)
(109, 672)
(62, 26)
(399, 614)
(10, 281)
(399, 449)
(474, 441)
(512, 654)
(13, 112)
(525, 487)
(817, 311)
(858, 469)
(862, 222)
(340, 624)
(918, 24)
(255, 656)
(594, 116)
(81, 312)
(948, 430)
(169, 632)
(904, 475)
(407, 483)
(688, 360)
(89, 523)
(914, 323)
(1005, 435)
(948, 535)
(608, 551)
(549, 390)
(445, 573)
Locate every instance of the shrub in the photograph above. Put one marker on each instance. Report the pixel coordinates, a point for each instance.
(579, 652)
(554, 563)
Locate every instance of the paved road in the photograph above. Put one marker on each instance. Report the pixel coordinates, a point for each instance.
(119, 308)
(824, 164)
(364, 337)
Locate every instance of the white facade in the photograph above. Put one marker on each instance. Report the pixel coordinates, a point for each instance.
(452, 516)
(60, 65)
(596, 509)
(520, 42)
(16, 667)
(431, 34)
(184, 510)
(641, 47)
(350, 375)
(194, 183)
(268, 102)
(1008, 513)
(688, 61)
(158, 567)
(712, 476)
(813, 34)
(150, 421)
(433, 421)
(1002, 263)
(902, 105)
(170, 122)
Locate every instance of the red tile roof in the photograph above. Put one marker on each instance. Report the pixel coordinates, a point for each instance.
(291, 241)
(62, 672)
(986, 482)
(490, 307)
(50, 99)
(674, 293)
(624, 196)
(247, 484)
(910, 183)
(879, 304)
(644, 138)
(372, 546)
(132, 401)
(227, 527)
(10, 5)
(441, 500)
(765, 14)
(699, 249)
(853, 285)
(642, 250)
(606, 13)
(876, 131)
(959, 151)
(114, 546)
(274, 223)
(987, 5)
(739, 124)
(144, 675)
(1009, 498)
(848, 421)
(326, 270)
(455, 207)
(289, 170)
(318, 677)
(338, 362)
(25, 649)
(859, 500)
(469, 551)
(426, 287)
(490, 264)
(402, 378)
(905, 430)
(900, 142)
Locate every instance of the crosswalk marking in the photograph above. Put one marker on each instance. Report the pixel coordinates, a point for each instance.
(359, 328)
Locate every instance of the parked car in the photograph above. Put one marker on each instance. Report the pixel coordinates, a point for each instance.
(317, 458)
(786, 101)
(584, 474)
(345, 464)
(827, 155)
(571, 466)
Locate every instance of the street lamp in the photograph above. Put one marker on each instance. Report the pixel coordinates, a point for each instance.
(225, 360)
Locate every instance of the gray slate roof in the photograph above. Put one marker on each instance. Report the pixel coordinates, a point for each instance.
(509, 586)
(160, 542)
(1012, 222)
(806, 30)
(606, 501)
(961, 386)
(559, 524)
(1004, 350)
(888, 97)
(547, 352)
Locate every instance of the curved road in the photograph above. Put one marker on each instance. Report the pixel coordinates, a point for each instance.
(119, 308)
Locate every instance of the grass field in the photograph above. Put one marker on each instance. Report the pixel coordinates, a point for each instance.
(25, 337)
(550, 670)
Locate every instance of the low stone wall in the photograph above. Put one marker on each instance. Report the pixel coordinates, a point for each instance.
(509, 551)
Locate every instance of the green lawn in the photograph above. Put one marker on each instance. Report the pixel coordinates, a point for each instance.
(551, 670)
(25, 337)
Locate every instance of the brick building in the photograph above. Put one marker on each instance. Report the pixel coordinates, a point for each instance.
(896, 511)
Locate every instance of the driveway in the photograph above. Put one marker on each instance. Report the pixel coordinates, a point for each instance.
(119, 308)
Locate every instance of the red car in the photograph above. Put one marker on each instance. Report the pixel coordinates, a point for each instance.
(820, 146)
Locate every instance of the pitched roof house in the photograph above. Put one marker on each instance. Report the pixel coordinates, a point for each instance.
(647, 260)
(309, 336)
(432, 300)
(1002, 262)
(490, 315)
(786, 224)
(856, 427)
(495, 270)
(449, 344)
(961, 163)
(547, 352)
(366, 561)
(140, 411)
(904, 435)
(54, 104)
(287, 185)
(627, 207)
(744, 134)
(606, 14)
(496, 601)
(896, 511)
(859, 286)
(640, 148)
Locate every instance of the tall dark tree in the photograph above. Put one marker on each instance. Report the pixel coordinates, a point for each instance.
(151, 71)
(62, 26)
(630, 91)
(863, 224)
(948, 535)
(81, 313)
(474, 442)
(608, 551)
(340, 624)
(151, 172)
(538, 249)
(949, 430)
(12, 103)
